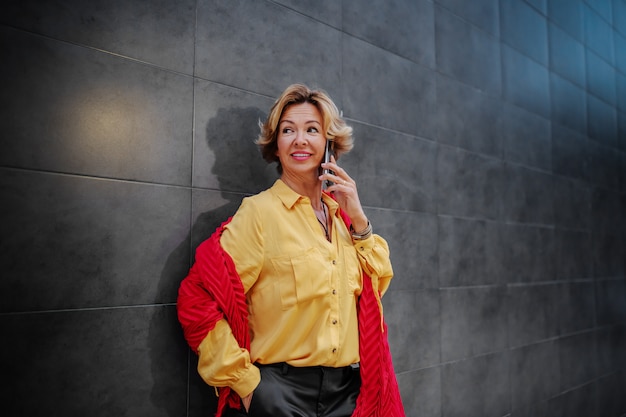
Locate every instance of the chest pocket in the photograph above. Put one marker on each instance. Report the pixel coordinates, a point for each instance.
(352, 270)
(301, 277)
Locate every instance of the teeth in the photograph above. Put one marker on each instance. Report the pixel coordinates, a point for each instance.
(300, 154)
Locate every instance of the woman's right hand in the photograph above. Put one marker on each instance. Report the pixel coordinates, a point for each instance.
(247, 400)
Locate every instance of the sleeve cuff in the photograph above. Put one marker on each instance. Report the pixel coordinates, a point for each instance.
(248, 381)
(364, 247)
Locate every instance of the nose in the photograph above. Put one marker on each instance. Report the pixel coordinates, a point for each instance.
(301, 138)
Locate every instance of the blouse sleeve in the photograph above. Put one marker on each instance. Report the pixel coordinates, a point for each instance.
(373, 254)
(221, 362)
(243, 241)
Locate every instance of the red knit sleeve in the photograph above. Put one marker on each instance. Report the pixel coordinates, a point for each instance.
(379, 394)
(211, 291)
(197, 310)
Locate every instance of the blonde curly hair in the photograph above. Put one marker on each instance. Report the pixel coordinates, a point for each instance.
(333, 124)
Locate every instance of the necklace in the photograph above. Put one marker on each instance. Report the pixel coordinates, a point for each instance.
(323, 221)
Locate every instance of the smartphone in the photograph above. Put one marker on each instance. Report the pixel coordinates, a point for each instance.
(327, 153)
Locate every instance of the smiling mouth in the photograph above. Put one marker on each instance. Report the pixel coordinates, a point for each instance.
(301, 155)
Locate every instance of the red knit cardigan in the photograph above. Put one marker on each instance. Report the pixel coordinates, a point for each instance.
(213, 290)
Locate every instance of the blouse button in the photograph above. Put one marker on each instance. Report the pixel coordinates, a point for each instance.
(334, 292)
(334, 321)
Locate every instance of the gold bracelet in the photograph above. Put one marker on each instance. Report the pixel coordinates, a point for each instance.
(361, 235)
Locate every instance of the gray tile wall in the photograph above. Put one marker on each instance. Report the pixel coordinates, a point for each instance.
(491, 153)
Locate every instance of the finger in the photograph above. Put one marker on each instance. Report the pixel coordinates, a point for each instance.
(332, 164)
(346, 181)
(340, 176)
(247, 400)
(340, 181)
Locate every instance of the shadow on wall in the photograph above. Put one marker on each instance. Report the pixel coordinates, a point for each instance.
(240, 170)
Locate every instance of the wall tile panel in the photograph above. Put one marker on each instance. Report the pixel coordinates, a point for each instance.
(610, 306)
(267, 53)
(579, 402)
(202, 397)
(533, 313)
(610, 400)
(572, 255)
(607, 250)
(482, 13)
(534, 374)
(597, 29)
(528, 196)
(568, 16)
(97, 114)
(421, 392)
(525, 82)
(570, 154)
(541, 409)
(604, 166)
(528, 253)
(525, 29)
(572, 204)
(604, 9)
(412, 317)
(470, 252)
(209, 209)
(473, 322)
(620, 52)
(526, 138)
(159, 32)
(326, 12)
(226, 124)
(600, 77)
(577, 306)
(467, 54)
(540, 5)
(390, 91)
(469, 185)
(610, 342)
(125, 360)
(567, 55)
(412, 239)
(605, 211)
(620, 82)
(619, 16)
(119, 240)
(568, 104)
(478, 386)
(405, 28)
(403, 179)
(467, 118)
(602, 121)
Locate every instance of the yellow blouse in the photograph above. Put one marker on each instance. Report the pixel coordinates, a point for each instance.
(301, 289)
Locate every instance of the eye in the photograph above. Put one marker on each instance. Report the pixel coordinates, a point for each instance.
(287, 130)
(312, 130)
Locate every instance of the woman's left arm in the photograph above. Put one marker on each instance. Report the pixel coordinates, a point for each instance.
(373, 254)
(372, 250)
(345, 192)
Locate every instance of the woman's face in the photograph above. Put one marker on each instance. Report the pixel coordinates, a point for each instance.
(301, 141)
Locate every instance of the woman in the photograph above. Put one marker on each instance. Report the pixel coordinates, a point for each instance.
(270, 304)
